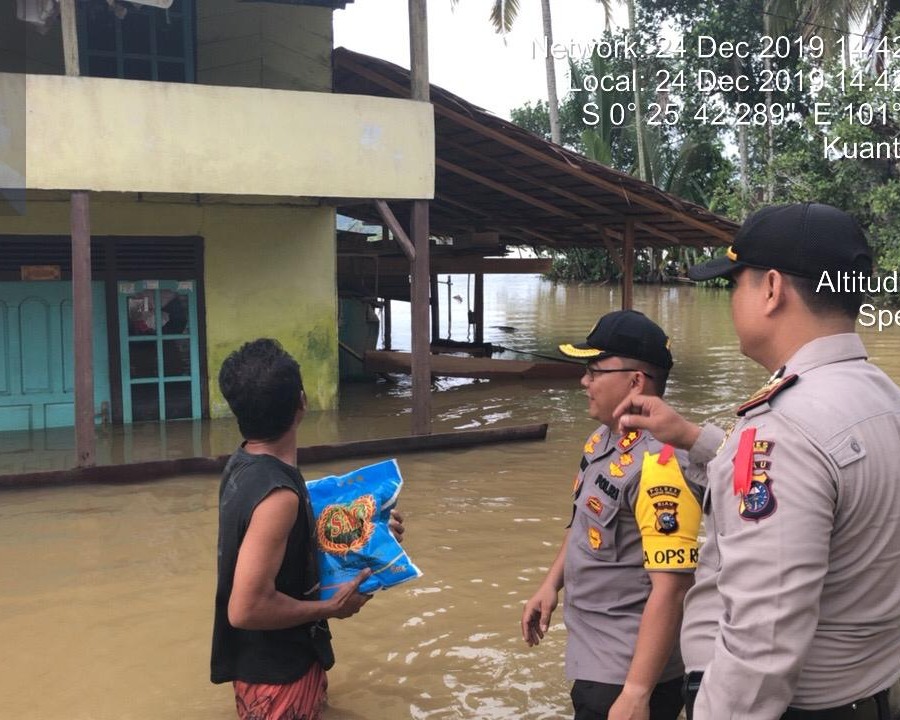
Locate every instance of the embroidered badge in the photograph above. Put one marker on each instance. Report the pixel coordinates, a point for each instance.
(759, 501)
(766, 393)
(658, 490)
(607, 487)
(342, 528)
(615, 470)
(763, 447)
(666, 516)
(576, 488)
(589, 445)
(625, 459)
(594, 505)
(629, 439)
(751, 480)
(595, 538)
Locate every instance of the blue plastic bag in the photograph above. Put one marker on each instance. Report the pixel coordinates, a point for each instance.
(352, 513)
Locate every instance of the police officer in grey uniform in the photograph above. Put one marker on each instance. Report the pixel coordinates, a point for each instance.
(796, 610)
(630, 550)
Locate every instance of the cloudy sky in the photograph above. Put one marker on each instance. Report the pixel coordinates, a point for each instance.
(466, 56)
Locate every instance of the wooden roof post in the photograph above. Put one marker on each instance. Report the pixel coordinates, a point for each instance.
(628, 269)
(386, 315)
(479, 308)
(386, 306)
(419, 232)
(435, 307)
(82, 301)
(82, 304)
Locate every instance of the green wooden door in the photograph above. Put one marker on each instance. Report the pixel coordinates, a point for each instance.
(37, 352)
(159, 350)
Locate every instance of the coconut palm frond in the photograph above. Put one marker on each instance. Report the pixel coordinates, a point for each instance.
(503, 15)
(783, 17)
(681, 177)
(597, 147)
(607, 12)
(832, 19)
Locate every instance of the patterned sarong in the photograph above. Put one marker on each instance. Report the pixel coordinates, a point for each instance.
(301, 700)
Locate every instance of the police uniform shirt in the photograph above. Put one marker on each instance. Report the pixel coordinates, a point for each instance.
(633, 512)
(797, 594)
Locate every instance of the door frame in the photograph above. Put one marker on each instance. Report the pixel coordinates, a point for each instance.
(125, 288)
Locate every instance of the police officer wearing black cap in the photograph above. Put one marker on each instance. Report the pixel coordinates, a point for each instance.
(631, 548)
(795, 613)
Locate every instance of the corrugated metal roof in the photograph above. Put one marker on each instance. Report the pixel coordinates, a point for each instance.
(493, 176)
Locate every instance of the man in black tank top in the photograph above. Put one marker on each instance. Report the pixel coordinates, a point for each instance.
(270, 634)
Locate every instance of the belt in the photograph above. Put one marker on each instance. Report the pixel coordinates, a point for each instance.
(874, 707)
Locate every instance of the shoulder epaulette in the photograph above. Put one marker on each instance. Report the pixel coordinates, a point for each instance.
(766, 393)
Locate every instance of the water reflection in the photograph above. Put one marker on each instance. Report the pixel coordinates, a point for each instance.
(106, 592)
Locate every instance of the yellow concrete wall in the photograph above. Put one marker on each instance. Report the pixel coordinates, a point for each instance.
(273, 274)
(12, 130)
(124, 135)
(269, 272)
(264, 45)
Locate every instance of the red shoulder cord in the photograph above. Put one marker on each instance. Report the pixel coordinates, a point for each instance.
(743, 462)
(665, 454)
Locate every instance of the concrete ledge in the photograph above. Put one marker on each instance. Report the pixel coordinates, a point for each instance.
(159, 469)
(103, 134)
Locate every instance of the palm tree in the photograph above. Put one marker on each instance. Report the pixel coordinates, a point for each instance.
(832, 20)
(552, 97)
(503, 15)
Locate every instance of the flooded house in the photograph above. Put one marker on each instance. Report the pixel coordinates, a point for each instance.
(185, 157)
(171, 172)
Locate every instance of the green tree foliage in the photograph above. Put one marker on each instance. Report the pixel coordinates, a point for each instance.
(536, 119)
(601, 125)
(734, 168)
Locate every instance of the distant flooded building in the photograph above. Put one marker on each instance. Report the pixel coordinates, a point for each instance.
(213, 153)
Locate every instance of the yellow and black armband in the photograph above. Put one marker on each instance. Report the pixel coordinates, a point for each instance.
(667, 514)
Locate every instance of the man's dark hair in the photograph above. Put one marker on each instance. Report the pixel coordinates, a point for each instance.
(656, 376)
(826, 302)
(263, 386)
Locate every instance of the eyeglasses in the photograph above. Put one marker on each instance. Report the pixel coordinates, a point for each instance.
(593, 372)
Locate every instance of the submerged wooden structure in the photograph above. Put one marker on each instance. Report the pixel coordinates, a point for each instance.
(106, 224)
(386, 361)
(497, 185)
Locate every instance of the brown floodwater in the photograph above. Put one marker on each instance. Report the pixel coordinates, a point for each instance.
(106, 591)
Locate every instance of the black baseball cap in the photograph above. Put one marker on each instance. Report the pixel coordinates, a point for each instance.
(804, 239)
(624, 333)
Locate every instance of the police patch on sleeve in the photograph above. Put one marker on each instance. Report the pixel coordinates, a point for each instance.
(668, 514)
(759, 501)
(752, 483)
